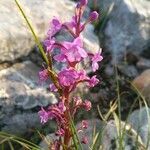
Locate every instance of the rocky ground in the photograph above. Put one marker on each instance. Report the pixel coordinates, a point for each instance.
(124, 34)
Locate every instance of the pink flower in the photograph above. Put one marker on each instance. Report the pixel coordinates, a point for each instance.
(66, 80)
(82, 3)
(93, 81)
(53, 88)
(82, 75)
(43, 116)
(93, 16)
(84, 124)
(71, 25)
(60, 132)
(77, 101)
(84, 140)
(95, 59)
(43, 75)
(57, 112)
(62, 107)
(72, 52)
(87, 105)
(56, 26)
(54, 112)
(49, 43)
(67, 77)
(60, 58)
(75, 52)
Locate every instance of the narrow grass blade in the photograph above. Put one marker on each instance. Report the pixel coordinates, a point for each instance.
(75, 135)
(27, 144)
(10, 145)
(97, 141)
(148, 114)
(33, 33)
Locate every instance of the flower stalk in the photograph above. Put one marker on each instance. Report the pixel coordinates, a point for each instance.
(66, 80)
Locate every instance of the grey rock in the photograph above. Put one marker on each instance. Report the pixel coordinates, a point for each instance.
(109, 70)
(45, 143)
(16, 39)
(110, 137)
(128, 70)
(140, 121)
(20, 92)
(21, 123)
(128, 26)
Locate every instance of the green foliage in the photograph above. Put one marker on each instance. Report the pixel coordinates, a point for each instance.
(11, 140)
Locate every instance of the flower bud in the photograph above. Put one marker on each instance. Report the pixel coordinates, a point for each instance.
(43, 115)
(77, 101)
(87, 105)
(84, 124)
(84, 140)
(82, 3)
(93, 16)
(60, 132)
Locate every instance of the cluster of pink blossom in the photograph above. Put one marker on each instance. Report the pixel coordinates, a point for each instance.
(65, 81)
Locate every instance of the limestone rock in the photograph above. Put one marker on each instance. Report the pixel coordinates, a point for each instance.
(140, 121)
(128, 26)
(16, 39)
(20, 93)
(110, 138)
(20, 123)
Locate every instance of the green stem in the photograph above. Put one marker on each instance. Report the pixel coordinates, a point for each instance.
(119, 108)
(75, 135)
(34, 34)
